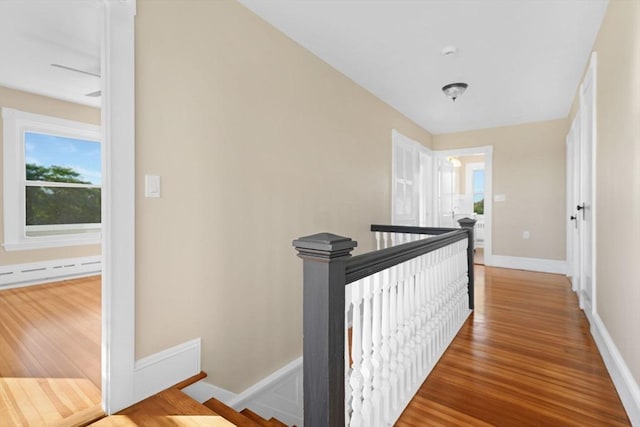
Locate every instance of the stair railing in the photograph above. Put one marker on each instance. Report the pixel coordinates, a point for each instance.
(375, 324)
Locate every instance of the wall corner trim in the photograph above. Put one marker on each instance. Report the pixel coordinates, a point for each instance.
(162, 370)
(627, 387)
(530, 264)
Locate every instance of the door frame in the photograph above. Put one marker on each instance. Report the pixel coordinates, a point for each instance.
(487, 151)
(118, 204)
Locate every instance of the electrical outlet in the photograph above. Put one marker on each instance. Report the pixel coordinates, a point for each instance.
(526, 235)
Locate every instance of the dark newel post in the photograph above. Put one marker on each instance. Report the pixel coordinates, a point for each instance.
(469, 224)
(324, 265)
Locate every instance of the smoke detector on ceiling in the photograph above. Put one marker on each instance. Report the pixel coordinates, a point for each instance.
(449, 51)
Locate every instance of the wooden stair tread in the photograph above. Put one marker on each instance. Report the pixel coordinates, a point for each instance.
(163, 409)
(229, 413)
(277, 423)
(255, 417)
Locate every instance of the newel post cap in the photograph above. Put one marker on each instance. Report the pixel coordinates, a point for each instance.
(324, 246)
(467, 222)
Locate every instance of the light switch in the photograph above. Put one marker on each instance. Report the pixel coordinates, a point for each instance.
(152, 186)
(499, 198)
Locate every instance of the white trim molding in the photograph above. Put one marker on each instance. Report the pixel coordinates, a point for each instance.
(118, 205)
(627, 387)
(161, 370)
(530, 264)
(278, 395)
(18, 275)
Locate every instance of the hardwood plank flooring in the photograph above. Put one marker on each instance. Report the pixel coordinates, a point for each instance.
(525, 357)
(50, 346)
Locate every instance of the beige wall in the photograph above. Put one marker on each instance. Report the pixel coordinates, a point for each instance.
(257, 142)
(618, 178)
(529, 168)
(37, 104)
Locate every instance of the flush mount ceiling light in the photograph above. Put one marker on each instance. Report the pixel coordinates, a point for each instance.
(454, 90)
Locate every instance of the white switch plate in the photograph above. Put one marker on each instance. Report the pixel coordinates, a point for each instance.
(499, 198)
(526, 235)
(152, 186)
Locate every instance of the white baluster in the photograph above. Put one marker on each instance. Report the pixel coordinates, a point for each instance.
(406, 326)
(385, 350)
(376, 357)
(355, 382)
(347, 356)
(400, 355)
(366, 368)
(379, 244)
(393, 341)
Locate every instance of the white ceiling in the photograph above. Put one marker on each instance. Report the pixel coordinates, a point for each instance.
(35, 34)
(522, 59)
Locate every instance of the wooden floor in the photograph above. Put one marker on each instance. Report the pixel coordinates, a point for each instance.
(524, 358)
(50, 345)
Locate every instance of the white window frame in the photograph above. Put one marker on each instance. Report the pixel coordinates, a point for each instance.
(15, 124)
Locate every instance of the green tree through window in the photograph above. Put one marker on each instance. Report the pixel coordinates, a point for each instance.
(47, 205)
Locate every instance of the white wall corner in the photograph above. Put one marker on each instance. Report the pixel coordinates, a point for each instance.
(279, 395)
(627, 387)
(161, 370)
(529, 264)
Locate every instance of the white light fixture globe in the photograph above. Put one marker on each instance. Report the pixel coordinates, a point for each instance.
(454, 90)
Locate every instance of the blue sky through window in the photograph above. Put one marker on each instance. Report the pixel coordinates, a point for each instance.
(80, 155)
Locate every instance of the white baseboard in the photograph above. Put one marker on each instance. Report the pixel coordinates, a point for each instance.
(627, 387)
(157, 372)
(17, 275)
(203, 391)
(530, 264)
(279, 395)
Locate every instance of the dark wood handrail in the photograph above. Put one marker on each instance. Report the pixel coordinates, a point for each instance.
(372, 262)
(433, 231)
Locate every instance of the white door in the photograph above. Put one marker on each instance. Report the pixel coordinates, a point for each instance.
(573, 200)
(585, 206)
(446, 183)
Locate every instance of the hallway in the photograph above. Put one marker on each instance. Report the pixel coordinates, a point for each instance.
(525, 357)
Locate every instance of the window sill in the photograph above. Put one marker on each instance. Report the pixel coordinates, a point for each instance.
(57, 242)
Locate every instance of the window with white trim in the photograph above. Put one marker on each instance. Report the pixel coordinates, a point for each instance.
(52, 181)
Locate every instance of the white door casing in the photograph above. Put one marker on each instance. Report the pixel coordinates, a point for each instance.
(118, 205)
